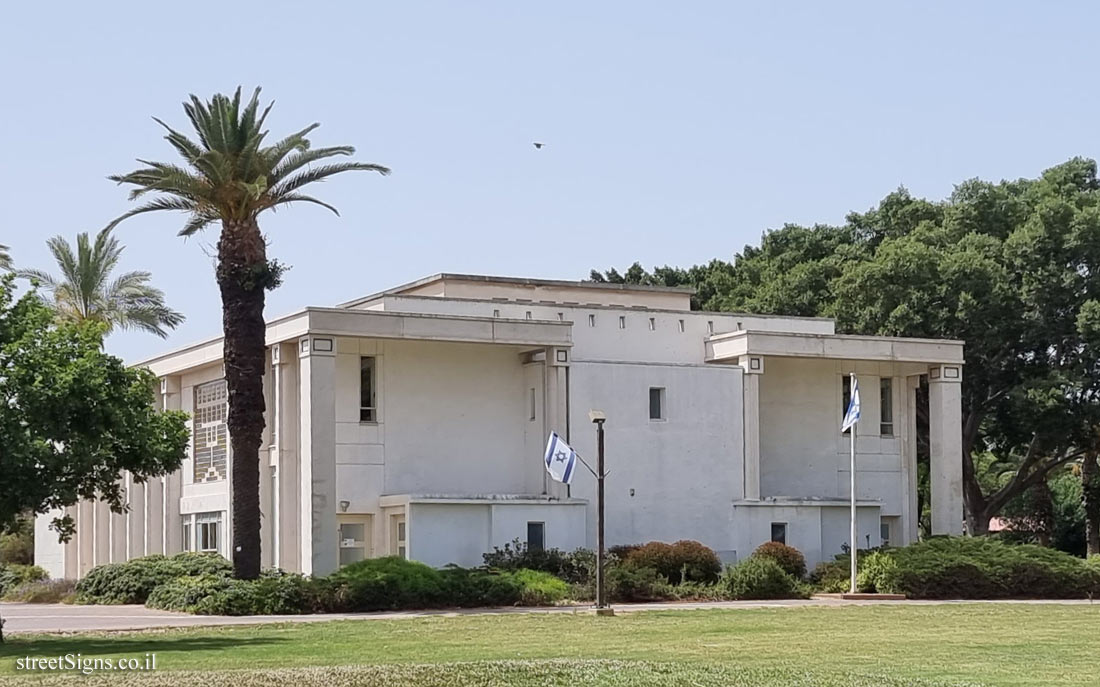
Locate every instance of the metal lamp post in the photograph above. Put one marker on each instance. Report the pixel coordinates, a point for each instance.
(598, 418)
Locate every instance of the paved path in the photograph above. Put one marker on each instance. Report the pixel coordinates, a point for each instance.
(28, 618)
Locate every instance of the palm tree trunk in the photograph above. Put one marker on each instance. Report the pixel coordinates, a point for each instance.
(243, 275)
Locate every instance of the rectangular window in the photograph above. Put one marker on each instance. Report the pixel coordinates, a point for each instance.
(527, 315)
(653, 324)
(398, 546)
(209, 434)
(591, 320)
(561, 317)
(368, 382)
(656, 403)
(886, 406)
(353, 541)
(531, 404)
(681, 325)
(884, 532)
(622, 321)
(536, 536)
(185, 542)
(496, 313)
(779, 532)
(208, 533)
(710, 326)
(845, 397)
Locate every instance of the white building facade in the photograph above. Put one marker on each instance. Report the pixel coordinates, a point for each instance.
(413, 423)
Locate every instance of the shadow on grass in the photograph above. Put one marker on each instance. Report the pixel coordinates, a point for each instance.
(60, 645)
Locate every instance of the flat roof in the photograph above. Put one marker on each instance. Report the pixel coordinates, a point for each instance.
(518, 281)
(727, 347)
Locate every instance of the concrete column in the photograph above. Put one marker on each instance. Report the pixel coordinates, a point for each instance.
(135, 518)
(267, 498)
(556, 408)
(911, 526)
(317, 442)
(945, 438)
(286, 437)
(171, 530)
(85, 537)
(753, 365)
(154, 514)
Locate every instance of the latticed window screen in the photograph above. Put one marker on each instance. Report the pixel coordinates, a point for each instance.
(211, 437)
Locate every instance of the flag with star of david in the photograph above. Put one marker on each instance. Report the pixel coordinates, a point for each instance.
(560, 459)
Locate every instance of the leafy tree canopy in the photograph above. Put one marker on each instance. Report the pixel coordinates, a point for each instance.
(72, 418)
(1011, 268)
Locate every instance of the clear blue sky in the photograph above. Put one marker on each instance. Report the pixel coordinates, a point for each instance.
(676, 132)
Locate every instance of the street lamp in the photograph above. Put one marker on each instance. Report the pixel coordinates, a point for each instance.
(598, 417)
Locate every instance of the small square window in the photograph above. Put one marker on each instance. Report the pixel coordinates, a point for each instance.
(710, 326)
(496, 313)
(681, 325)
(779, 532)
(652, 324)
(536, 536)
(591, 320)
(527, 315)
(622, 321)
(656, 403)
(561, 317)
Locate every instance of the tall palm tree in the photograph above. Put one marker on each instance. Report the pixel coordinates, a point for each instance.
(86, 291)
(231, 177)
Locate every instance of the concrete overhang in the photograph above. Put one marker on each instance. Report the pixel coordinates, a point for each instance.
(393, 500)
(376, 324)
(729, 347)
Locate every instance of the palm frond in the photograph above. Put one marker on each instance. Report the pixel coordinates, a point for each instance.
(323, 172)
(229, 173)
(288, 198)
(157, 204)
(5, 259)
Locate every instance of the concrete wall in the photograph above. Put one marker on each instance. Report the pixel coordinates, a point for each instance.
(442, 533)
(819, 532)
(803, 453)
(670, 479)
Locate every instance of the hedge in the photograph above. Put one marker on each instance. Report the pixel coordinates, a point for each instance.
(789, 558)
(13, 575)
(761, 577)
(133, 581)
(684, 561)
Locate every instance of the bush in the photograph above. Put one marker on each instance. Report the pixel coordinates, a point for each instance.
(684, 561)
(877, 573)
(43, 592)
(184, 593)
(517, 556)
(758, 577)
(832, 577)
(789, 558)
(466, 587)
(133, 581)
(389, 583)
(630, 583)
(539, 588)
(980, 568)
(17, 546)
(15, 574)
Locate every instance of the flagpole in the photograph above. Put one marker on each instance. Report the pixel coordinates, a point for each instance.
(852, 489)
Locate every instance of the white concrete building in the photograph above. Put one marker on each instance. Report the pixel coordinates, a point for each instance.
(413, 422)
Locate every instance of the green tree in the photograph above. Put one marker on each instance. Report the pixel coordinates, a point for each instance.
(72, 418)
(1010, 268)
(230, 177)
(85, 291)
(5, 259)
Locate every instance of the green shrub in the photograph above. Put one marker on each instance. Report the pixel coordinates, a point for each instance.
(987, 568)
(470, 587)
(789, 558)
(14, 574)
(630, 583)
(133, 581)
(388, 583)
(877, 573)
(759, 577)
(517, 556)
(539, 588)
(17, 545)
(42, 592)
(684, 561)
(185, 593)
(832, 577)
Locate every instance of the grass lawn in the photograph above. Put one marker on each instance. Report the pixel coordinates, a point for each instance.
(973, 644)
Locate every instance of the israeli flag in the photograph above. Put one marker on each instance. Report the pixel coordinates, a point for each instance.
(560, 459)
(852, 416)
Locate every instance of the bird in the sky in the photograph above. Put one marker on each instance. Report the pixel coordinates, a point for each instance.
(539, 145)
